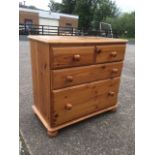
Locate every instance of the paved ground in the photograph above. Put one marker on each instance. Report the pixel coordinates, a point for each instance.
(106, 134)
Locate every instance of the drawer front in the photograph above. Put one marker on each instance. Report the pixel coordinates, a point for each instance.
(77, 101)
(110, 53)
(78, 75)
(72, 56)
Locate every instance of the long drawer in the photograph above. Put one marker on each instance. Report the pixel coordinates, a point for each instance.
(78, 75)
(76, 101)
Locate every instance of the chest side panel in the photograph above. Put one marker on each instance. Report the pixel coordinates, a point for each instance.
(41, 78)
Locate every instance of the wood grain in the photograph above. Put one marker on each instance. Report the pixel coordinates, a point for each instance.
(78, 75)
(110, 53)
(72, 56)
(56, 128)
(85, 99)
(75, 40)
(41, 78)
(74, 78)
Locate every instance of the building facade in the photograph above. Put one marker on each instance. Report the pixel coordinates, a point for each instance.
(40, 17)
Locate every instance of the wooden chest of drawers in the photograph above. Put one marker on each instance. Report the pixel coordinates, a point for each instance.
(74, 78)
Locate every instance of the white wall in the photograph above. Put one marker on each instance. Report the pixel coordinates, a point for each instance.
(50, 22)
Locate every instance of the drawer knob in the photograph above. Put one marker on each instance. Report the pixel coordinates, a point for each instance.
(98, 51)
(111, 93)
(68, 106)
(76, 57)
(69, 78)
(113, 54)
(114, 70)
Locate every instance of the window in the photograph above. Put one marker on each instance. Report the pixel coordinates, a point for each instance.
(28, 23)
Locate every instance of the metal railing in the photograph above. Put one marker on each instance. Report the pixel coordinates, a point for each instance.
(33, 29)
(25, 29)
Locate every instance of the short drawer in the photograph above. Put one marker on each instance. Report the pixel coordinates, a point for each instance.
(109, 53)
(72, 56)
(77, 101)
(78, 75)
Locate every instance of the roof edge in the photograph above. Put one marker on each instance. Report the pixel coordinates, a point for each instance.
(46, 11)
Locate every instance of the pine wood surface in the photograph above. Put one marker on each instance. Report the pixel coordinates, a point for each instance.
(110, 53)
(72, 56)
(75, 39)
(84, 99)
(78, 75)
(41, 78)
(74, 78)
(51, 130)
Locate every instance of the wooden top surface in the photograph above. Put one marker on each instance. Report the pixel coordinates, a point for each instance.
(74, 39)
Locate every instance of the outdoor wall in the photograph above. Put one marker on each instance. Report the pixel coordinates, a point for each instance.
(28, 15)
(51, 22)
(64, 21)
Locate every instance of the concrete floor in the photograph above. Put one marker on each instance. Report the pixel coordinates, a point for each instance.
(105, 134)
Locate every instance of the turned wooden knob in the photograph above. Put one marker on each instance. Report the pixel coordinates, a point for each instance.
(98, 51)
(111, 93)
(76, 57)
(114, 70)
(69, 78)
(68, 106)
(113, 53)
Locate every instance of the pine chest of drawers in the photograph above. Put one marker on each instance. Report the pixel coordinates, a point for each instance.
(74, 78)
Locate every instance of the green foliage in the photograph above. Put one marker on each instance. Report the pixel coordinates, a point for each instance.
(32, 7)
(54, 7)
(85, 10)
(90, 12)
(68, 6)
(104, 9)
(124, 24)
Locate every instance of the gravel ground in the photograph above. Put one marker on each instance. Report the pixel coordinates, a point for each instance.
(105, 134)
(22, 147)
